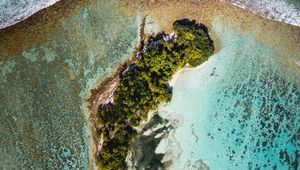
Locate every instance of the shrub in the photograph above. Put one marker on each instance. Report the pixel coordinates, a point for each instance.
(146, 86)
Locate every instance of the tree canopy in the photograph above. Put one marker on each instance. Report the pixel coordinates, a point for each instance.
(146, 86)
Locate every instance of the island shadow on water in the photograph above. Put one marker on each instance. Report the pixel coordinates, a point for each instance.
(142, 87)
(142, 152)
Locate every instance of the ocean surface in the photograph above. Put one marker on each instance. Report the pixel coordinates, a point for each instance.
(288, 11)
(239, 110)
(14, 11)
(43, 113)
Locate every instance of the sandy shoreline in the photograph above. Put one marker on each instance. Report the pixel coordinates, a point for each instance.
(206, 16)
(163, 13)
(175, 77)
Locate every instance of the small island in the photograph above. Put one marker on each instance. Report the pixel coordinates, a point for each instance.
(143, 84)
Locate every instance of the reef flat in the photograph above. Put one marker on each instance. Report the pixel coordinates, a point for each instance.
(50, 62)
(239, 110)
(250, 83)
(144, 84)
(48, 65)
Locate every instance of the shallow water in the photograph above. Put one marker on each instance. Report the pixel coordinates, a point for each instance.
(287, 11)
(239, 110)
(244, 87)
(43, 117)
(13, 11)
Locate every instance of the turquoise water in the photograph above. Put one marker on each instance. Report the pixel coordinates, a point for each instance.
(295, 3)
(43, 116)
(239, 110)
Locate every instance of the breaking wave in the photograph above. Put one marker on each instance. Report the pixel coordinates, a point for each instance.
(287, 11)
(14, 11)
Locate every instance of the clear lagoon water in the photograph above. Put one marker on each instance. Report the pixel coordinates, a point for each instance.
(43, 113)
(239, 110)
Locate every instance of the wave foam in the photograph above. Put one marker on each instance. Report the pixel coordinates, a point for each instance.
(280, 10)
(14, 11)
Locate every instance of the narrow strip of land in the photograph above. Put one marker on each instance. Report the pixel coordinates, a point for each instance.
(144, 84)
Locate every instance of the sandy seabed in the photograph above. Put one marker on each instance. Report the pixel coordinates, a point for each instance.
(160, 14)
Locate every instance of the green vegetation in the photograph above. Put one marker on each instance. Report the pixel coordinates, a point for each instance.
(145, 86)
